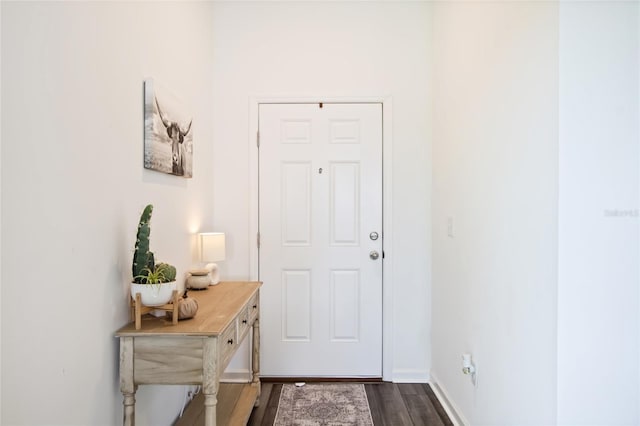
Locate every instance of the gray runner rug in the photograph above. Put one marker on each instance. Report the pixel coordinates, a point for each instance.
(323, 405)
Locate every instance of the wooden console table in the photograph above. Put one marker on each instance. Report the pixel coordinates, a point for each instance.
(195, 351)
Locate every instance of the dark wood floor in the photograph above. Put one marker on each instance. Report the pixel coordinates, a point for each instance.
(391, 404)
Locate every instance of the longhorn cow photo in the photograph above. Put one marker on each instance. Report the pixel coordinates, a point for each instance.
(168, 134)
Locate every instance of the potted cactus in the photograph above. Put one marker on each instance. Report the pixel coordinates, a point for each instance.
(154, 282)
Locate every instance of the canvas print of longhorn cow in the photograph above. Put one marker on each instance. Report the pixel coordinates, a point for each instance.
(168, 132)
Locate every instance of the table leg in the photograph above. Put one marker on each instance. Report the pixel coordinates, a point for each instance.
(129, 409)
(210, 409)
(127, 386)
(255, 361)
(210, 380)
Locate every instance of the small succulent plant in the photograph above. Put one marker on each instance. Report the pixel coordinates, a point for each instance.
(169, 271)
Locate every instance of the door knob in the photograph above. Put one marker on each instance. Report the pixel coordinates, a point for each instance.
(374, 255)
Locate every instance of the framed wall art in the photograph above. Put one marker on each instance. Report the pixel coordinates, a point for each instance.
(168, 132)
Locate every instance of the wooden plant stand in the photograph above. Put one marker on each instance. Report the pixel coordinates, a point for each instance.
(138, 309)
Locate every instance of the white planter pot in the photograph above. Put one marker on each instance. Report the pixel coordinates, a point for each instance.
(153, 294)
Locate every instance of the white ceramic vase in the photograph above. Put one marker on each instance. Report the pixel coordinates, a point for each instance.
(198, 282)
(153, 294)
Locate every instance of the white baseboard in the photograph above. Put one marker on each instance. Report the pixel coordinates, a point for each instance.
(409, 376)
(454, 413)
(242, 375)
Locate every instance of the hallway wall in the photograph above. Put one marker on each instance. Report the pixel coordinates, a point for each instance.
(495, 172)
(598, 280)
(73, 187)
(537, 159)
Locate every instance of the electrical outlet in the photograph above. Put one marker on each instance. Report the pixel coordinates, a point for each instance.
(189, 393)
(469, 368)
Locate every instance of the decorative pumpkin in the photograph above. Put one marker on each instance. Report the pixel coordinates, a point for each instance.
(187, 307)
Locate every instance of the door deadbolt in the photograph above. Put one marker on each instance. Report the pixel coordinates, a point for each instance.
(373, 236)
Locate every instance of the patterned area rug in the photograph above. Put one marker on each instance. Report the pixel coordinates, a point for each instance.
(323, 405)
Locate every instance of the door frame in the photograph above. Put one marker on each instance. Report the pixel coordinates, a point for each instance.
(387, 200)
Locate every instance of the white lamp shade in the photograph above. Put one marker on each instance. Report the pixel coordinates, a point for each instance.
(212, 246)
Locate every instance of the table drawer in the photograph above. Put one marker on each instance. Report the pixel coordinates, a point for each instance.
(253, 307)
(244, 324)
(228, 342)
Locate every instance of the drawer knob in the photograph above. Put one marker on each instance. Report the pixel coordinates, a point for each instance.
(230, 341)
(255, 306)
(244, 321)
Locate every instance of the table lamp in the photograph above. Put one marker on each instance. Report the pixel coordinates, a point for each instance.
(212, 249)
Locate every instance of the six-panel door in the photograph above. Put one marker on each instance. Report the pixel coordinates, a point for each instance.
(320, 203)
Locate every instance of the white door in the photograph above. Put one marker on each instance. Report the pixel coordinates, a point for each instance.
(320, 189)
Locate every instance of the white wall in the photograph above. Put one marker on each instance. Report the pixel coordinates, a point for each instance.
(582, 59)
(73, 186)
(598, 309)
(495, 154)
(0, 219)
(332, 49)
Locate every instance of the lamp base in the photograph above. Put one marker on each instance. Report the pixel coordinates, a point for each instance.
(214, 273)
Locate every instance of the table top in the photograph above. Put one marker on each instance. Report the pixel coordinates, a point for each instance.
(217, 306)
